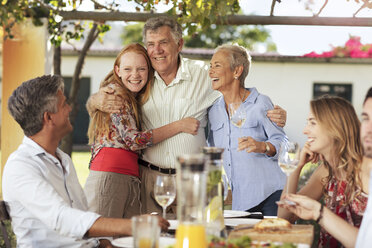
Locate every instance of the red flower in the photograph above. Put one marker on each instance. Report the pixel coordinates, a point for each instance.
(312, 55)
(353, 42)
(353, 48)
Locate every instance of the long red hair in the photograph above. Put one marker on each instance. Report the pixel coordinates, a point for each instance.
(100, 121)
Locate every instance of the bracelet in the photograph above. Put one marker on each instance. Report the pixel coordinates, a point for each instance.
(320, 213)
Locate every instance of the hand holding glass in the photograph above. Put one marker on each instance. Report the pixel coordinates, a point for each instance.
(237, 114)
(165, 191)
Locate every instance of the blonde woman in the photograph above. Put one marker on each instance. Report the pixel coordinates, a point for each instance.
(113, 184)
(333, 132)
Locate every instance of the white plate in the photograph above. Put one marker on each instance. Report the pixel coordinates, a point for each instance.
(234, 213)
(173, 224)
(240, 221)
(127, 242)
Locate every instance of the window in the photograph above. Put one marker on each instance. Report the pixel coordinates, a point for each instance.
(341, 90)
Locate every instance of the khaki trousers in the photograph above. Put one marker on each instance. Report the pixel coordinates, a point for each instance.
(149, 204)
(112, 194)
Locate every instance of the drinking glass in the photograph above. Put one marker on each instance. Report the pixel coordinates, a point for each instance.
(288, 158)
(146, 231)
(237, 114)
(165, 191)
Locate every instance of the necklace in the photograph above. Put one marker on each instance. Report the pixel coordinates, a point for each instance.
(244, 95)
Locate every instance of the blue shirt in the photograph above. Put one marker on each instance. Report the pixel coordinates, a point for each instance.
(253, 176)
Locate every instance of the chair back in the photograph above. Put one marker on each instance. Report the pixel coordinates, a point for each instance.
(4, 215)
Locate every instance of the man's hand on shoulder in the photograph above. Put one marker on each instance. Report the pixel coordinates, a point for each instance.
(278, 115)
(105, 100)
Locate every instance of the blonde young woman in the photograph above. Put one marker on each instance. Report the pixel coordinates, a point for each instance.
(113, 184)
(333, 132)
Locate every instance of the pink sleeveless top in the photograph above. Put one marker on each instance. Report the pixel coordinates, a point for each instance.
(352, 213)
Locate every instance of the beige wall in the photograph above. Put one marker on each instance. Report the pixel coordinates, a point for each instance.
(290, 85)
(24, 57)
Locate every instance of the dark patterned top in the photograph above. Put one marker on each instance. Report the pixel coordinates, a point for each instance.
(352, 213)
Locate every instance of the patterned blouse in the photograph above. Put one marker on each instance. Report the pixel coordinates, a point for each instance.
(352, 213)
(123, 133)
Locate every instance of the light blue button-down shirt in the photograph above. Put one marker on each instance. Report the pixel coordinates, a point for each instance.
(48, 207)
(253, 176)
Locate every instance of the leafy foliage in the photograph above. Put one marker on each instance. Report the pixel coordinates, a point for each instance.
(245, 36)
(194, 14)
(13, 11)
(11, 235)
(132, 33)
(213, 36)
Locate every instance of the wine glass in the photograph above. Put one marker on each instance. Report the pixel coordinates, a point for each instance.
(288, 158)
(237, 114)
(165, 191)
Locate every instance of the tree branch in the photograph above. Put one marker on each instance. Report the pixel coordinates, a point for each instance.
(100, 6)
(321, 9)
(272, 7)
(365, 4)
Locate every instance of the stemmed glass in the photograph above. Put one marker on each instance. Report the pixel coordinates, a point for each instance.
(288, 158)
(237, 114)
(165, 191)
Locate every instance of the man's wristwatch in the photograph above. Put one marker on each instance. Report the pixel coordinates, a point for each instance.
(267, 148)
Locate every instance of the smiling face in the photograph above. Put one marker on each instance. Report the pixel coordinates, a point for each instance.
(317, 136)
(220, 71)
(133, 71)
(366, 128)
(163, 50)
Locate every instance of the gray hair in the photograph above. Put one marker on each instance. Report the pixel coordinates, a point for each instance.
(157, 22)
(238, 56)
(32, 99)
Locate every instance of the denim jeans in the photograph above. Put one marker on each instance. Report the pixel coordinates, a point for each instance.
(268, 206)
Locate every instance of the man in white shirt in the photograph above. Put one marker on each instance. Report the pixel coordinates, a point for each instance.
(40, 186)
(344, 232)
(181, 89)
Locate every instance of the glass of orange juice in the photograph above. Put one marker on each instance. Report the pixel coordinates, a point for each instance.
(146, 231)
(191, 235)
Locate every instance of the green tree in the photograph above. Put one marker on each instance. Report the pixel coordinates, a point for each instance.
(248, 36)
(132, 33)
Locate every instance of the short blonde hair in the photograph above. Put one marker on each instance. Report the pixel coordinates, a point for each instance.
(238, 56)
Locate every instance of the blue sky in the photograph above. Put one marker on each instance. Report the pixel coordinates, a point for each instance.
(298, 40)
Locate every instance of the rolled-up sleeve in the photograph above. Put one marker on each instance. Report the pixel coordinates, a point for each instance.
(275, 134)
